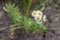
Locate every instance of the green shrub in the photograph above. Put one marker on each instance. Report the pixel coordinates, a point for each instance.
(13, 12)
(20, 21)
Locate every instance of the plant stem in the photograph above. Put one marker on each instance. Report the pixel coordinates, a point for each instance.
(28, 7)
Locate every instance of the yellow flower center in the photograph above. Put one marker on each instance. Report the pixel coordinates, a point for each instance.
(34, 13)
(38, 18)
(39, 13)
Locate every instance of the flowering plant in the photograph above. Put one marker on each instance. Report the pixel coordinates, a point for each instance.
(24, 22)
(38, 16)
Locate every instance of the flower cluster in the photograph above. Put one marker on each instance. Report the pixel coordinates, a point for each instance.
(38, 16)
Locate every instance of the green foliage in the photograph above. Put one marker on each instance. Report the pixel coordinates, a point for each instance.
(24, 22)
(36, 27)
(25, 5)
(40, 3)
(15, 16)
(55, 1)
(31, 26)
(13, 12)
(43, 28)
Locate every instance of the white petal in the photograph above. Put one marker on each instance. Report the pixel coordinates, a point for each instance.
(44, 18)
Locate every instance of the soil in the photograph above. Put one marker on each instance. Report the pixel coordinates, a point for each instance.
(53, 24)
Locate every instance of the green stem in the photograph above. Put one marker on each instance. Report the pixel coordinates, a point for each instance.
(28, 7)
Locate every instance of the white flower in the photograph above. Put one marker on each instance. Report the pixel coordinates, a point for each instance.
(38, 18)
(34, 13)
(44, 18)
(40, 13)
